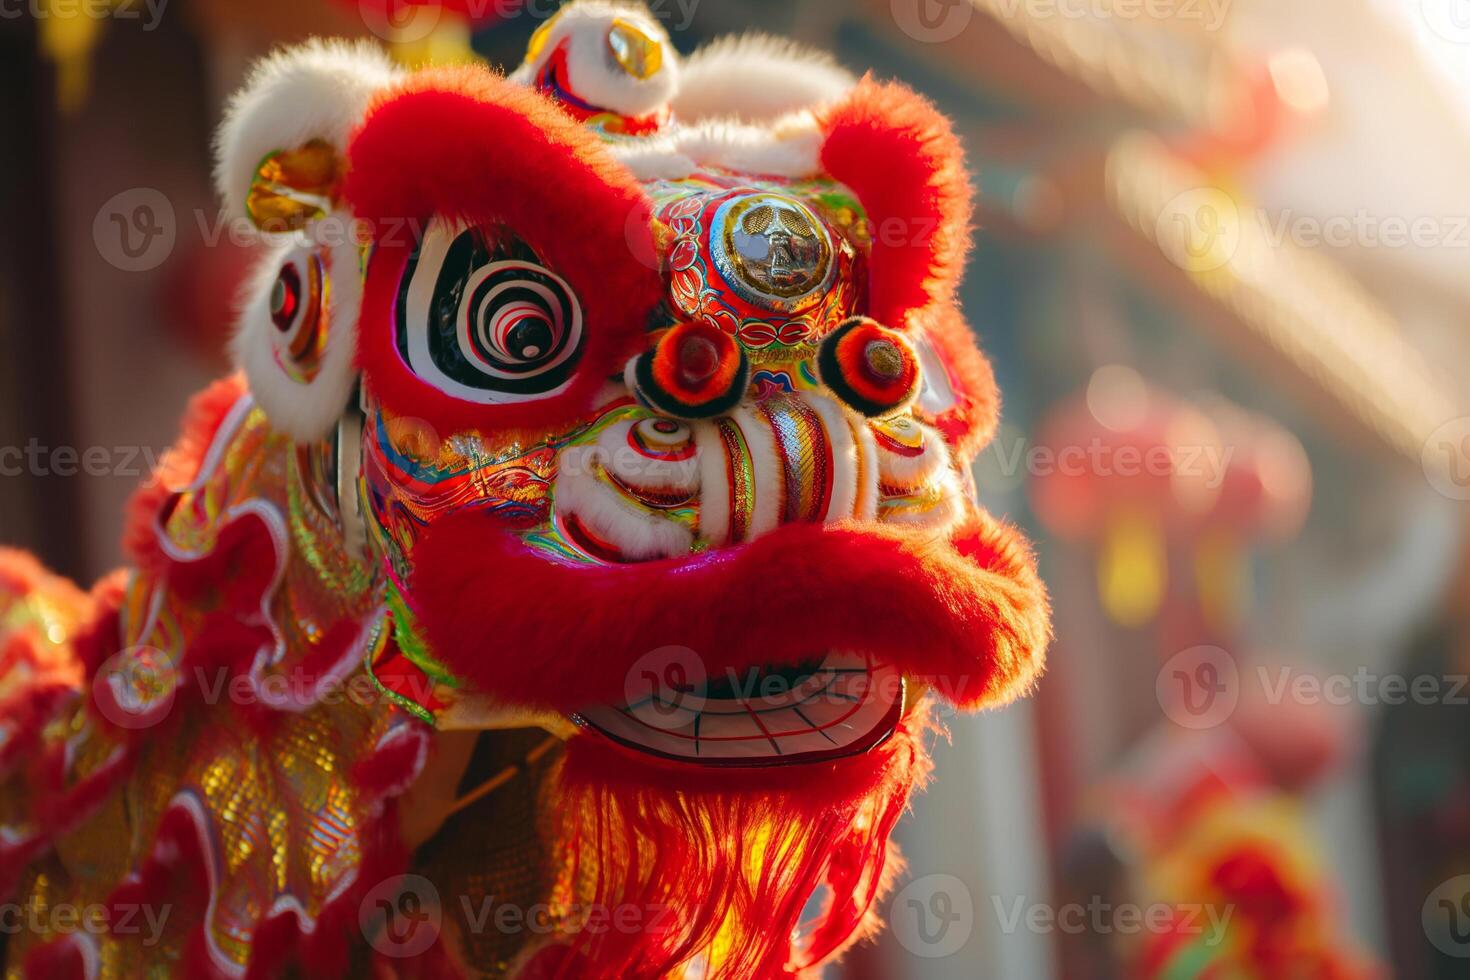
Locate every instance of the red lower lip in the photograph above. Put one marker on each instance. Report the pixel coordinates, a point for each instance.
(845, 706)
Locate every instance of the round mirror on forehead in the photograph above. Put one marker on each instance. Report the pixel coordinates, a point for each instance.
(773, 250)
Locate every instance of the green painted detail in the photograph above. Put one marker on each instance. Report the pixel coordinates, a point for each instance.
(411, 643)
(407, 704)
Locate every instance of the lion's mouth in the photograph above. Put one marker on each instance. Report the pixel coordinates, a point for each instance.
(833, 706)
(962, 614)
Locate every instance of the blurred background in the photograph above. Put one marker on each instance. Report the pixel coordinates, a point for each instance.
(1223, 270)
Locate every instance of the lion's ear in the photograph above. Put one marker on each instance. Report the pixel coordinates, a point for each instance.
(280, 153)
(290, 122)
(904, 162)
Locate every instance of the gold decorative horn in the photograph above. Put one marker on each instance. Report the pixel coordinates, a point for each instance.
(294, 187)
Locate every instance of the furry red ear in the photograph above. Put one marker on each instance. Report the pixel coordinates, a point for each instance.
(465, 148)
(900, 156)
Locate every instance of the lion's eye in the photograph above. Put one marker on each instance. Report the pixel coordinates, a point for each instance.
(297, 310)
(480, 318)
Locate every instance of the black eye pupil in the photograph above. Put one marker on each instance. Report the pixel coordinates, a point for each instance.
(530, 339)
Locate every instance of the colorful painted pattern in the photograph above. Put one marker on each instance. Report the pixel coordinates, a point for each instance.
(806, 457)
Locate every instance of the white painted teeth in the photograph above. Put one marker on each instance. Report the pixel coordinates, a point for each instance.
(843, 706)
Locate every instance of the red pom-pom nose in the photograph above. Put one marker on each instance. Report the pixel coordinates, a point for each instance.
(695, 371)
(871, 368)
(699, 361)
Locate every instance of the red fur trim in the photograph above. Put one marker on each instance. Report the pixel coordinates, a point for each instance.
(968, 616)
(970, 424)
(463, 143)
(178, 467)
(904, 162)
(843, 365)
(726, 859)
(710, 380)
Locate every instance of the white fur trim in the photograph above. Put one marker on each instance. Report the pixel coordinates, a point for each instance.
(791, 148)
(866, 507)
(645, 472)
(714, 482)
(304, 411)
(908, 472)
(757, 78)
(317, 90)
(639, 534)
(593, 74)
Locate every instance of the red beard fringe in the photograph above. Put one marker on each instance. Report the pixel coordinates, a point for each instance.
(715, 868)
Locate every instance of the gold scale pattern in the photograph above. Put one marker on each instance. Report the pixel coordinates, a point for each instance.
(284, 815)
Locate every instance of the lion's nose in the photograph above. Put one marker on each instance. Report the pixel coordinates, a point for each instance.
(780, 460)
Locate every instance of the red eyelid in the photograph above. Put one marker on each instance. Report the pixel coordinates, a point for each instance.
(464, 144)
(902, 158)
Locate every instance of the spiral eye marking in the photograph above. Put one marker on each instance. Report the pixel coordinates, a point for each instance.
(480, 319)
(515, 322)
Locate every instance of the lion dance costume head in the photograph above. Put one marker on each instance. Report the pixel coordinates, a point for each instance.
(572, 559)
